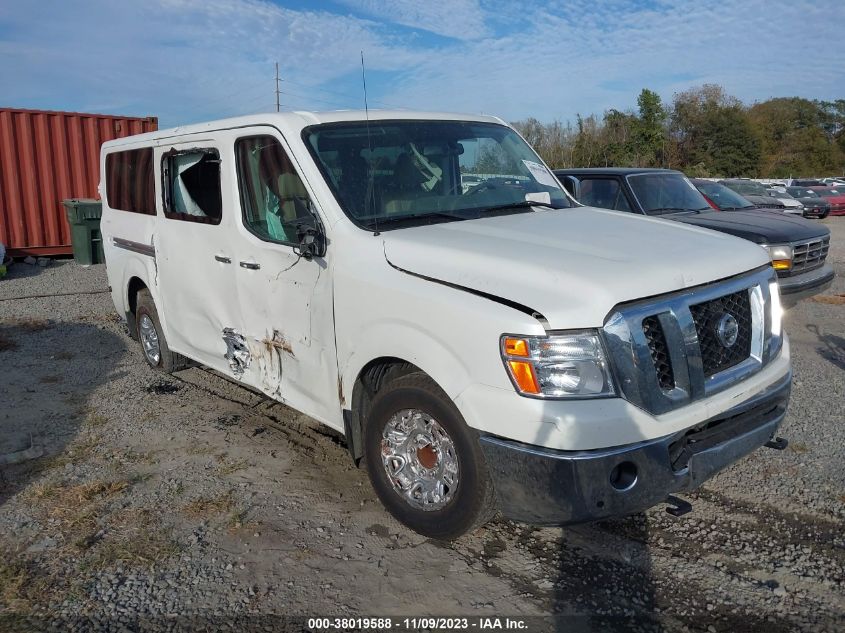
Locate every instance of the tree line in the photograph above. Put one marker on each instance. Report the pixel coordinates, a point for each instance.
(704, 132)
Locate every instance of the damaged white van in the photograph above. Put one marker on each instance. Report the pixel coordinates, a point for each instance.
(421, 283)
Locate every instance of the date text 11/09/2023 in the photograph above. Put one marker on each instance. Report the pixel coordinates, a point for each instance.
(415, 624)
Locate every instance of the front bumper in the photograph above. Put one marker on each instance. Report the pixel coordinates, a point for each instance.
(551, 487)
(794, 289)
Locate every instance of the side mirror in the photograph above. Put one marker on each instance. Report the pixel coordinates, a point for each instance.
(311, 238)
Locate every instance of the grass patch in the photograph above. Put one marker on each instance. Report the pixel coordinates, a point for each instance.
(227, 467)
(132, 536)
(25, 583)
(200, 449)
(95, 420)
(207, 507)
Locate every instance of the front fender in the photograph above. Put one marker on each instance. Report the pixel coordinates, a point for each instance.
(409, 342)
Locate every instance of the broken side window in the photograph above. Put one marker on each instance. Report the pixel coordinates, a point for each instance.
(192, 186)
(273, 198)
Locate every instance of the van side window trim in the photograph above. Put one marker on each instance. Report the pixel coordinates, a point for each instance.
(166, 193)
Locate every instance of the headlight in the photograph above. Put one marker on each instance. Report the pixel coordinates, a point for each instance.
(781, 256)
(571, 365)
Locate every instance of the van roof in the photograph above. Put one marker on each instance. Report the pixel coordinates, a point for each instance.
(294, 122)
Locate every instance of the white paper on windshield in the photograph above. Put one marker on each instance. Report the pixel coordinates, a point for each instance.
(539, 196)
(541, 174)
(691, 186)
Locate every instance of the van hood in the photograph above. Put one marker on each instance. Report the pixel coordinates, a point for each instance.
(570, 265)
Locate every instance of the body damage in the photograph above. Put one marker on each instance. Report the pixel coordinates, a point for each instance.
(267, 353)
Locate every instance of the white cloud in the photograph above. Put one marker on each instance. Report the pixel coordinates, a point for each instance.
(585, 56)
(459, 19)
(190, 60)
(184, 60)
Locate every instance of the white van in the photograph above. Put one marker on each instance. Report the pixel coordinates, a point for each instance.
(482, 348)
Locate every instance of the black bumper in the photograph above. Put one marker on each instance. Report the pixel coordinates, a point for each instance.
(797, 287)
(548, 487)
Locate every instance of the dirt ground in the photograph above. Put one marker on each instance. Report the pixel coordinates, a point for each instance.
(161, 499)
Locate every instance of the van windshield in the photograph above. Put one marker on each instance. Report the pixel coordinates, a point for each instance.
(392, 174)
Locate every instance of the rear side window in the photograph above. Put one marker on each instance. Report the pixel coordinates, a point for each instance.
(191, 186)
(130, 184)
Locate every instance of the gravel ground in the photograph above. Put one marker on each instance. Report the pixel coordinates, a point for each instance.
(188, 501)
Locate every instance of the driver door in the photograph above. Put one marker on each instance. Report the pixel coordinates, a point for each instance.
(285, 300)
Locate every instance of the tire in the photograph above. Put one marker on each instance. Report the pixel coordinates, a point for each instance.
(146, 316)
(465, 506)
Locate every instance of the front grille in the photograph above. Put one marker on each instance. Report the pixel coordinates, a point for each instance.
(669, 351)
(810, 255)
(766, 205)
(716, 355)
(659, 351)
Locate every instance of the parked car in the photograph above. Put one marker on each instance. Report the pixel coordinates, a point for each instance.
(798, 247)
(814, 204)
(720, 197)
(754, 192)
(790, 204)
(496, 348)
(833, 182)
(806, 182)
(835, 196)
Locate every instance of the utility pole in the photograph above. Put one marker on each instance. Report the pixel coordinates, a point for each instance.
(277, 86)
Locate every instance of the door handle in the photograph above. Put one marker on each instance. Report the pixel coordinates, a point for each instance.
(223, 259)
(250, 265)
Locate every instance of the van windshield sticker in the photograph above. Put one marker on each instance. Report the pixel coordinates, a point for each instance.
(543, 197)
(541, 174)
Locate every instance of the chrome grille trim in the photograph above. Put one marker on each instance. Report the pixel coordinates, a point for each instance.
(810, 254)
(632, 361)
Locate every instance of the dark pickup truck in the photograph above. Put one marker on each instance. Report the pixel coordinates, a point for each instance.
(797, 247)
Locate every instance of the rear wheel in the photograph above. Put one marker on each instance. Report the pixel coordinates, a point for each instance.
(153, 344)
(424, 462)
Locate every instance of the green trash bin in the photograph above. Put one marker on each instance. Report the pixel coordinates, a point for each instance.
(83, 216)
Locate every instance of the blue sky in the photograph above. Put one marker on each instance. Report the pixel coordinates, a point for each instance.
(194, 60)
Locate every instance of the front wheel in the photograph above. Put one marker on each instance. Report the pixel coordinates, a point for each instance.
(424, 462)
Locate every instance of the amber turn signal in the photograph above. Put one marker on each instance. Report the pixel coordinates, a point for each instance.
(781, 264)
(524, 376)
(516, 347)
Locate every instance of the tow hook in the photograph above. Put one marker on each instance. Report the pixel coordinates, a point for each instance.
(677, 506)
(777, 443)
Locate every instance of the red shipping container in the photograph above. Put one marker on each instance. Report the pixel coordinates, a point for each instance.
(47, 157)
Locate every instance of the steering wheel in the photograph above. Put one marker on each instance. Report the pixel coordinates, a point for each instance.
(484, 186)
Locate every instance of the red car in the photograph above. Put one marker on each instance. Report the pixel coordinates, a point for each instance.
(835, 196)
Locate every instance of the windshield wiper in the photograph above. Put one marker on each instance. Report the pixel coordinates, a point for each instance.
(422, 218)
(662, 210)
(521, 204)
